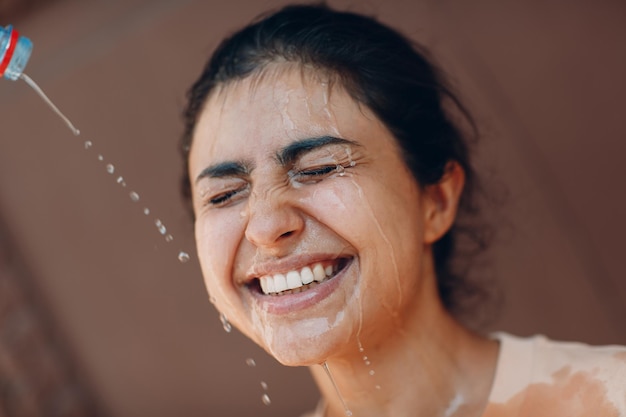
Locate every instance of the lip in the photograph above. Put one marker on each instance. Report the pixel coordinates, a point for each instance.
(289, 303)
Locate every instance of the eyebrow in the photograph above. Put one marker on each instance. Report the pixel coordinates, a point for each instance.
(290, 153)
(285, 157)
(225, 169)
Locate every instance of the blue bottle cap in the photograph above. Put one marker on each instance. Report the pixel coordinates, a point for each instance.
(15, 52)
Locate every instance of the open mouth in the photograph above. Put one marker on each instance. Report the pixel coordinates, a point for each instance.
(300, 280)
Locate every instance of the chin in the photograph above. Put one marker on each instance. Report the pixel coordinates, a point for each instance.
(303, 344)
(290, 357)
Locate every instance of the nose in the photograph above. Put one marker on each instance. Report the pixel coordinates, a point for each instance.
(273, 221)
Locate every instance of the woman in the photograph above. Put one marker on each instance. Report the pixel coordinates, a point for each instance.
(327, 183)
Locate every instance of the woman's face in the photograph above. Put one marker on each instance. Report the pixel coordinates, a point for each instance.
(309, 227)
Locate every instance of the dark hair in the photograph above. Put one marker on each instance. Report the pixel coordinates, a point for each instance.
(379, 68)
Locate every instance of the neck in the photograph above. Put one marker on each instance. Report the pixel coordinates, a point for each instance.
(428, 366)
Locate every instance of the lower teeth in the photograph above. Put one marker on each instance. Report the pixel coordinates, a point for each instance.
(300, 289)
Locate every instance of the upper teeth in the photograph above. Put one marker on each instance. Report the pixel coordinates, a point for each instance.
(272, 284)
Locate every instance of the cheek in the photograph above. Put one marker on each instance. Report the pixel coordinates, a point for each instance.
(367, 213)
(381, 222)
(217, 239)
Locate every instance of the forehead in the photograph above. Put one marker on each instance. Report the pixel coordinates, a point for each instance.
(267, 110)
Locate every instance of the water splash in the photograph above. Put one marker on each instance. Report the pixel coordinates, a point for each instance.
(332, 380)
(225, 323)
(251, 362)
(183, 257)
(49, 102)
(265, 398)
(160, 226)
(134, 196)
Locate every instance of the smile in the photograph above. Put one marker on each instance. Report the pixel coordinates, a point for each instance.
(296, 281)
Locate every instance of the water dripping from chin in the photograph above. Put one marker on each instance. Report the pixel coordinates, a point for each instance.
(284, 338)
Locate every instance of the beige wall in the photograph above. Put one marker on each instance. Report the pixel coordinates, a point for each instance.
(544, 79)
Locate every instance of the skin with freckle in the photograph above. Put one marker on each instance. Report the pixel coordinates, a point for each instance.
(326, 182)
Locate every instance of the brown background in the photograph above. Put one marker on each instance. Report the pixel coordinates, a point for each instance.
(544, 79)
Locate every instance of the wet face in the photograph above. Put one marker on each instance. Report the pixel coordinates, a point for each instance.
(310, 230)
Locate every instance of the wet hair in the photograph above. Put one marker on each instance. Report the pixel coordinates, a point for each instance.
(381, 69)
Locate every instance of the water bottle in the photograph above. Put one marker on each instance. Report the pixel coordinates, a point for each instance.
(15, 51)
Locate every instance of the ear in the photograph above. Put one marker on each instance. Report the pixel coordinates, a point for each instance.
(442, 201)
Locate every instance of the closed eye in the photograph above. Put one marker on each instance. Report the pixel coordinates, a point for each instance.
(325, 170)
(227, 197)
(314, 175)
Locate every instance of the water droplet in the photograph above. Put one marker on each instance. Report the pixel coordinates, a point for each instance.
(169, 238)
(120, 180)
(160, 226)
(349, 413)
(266, 399)
(88, 144)
(146, 211)
(352, 163)
(183, 257)
(340, 170)
(134, 196)
(225, 323)
(100, 158)
(110, 168)
(365, 358)
(372, 372)
(264, 385)
(212, 300)
(368, 363)
(377, 386)
(250, 362)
